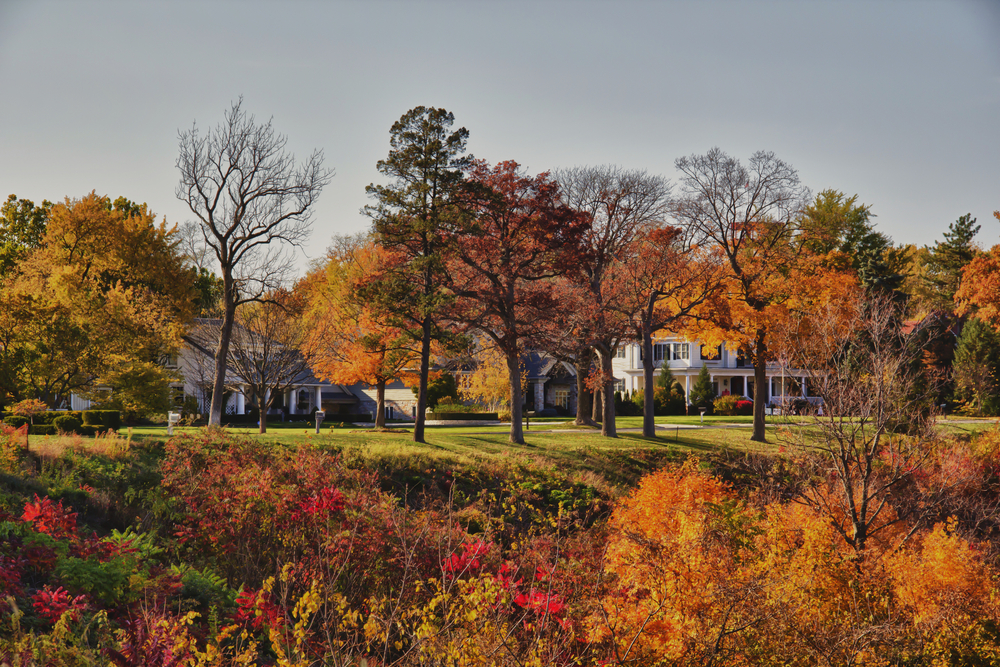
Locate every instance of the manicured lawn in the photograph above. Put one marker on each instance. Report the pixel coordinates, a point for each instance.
(557, 442)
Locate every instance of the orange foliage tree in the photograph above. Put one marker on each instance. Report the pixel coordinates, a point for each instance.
(749, 215)
(347, 339)
(658, 284)
(979, 290)
(698, 575)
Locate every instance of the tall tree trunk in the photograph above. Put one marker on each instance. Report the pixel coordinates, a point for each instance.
(222, 363)
(759, 387)
(516, 398)
(425, 366)
(598, 405)
(380, 404)
(648, 369)
(584, 404)
(608, 429)
(262, 422)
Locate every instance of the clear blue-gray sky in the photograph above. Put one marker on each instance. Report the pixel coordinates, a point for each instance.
(895, 101)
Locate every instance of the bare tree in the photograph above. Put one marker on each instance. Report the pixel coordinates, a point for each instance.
(622, 203)
(862, 365)
(252, 200)
(265, 351)
(192, 246)
(749, 213)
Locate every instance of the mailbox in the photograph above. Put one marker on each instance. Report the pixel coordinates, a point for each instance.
(320, 416)
(173, 419)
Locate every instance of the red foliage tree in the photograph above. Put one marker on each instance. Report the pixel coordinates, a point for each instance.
(519, 237)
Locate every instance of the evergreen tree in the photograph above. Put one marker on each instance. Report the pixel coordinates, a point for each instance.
(947, 259)
(412, 218)
(665, 379)
(837, 222)
(977, 360)
(702, 393)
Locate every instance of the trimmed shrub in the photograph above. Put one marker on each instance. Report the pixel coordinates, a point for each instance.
(42, 429)
(456, 416)
(15, 421)
(109, 418)
(726, 405)
(744, 407)
(67, 424)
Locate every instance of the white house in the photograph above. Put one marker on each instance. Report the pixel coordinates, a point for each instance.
(730, 373)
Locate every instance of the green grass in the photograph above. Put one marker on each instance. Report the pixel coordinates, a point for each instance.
(556, 443)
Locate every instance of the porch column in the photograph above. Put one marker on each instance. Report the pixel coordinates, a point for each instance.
(290, 400)
(241, 405)
(687, 388)
(802, 386)
(318, 398)
(539, 396)
(746, 387)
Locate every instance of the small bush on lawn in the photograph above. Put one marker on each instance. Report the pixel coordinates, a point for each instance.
(109, 418)
(66, 424)
(726, 405)
(15, 421)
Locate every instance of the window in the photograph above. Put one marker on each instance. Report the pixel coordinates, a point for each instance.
(620, 352)
(681, 351)
(562, 398)
(659, 350)
(709, 354)
(620, 386)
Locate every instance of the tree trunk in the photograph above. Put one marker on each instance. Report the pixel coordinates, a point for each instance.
(584, 402)
(598, 405)
(759, 387)
(425, 366)
(608, 429)
(648, 369)
(222, 351)
(380, 404)
(262, 423)
(516, 398)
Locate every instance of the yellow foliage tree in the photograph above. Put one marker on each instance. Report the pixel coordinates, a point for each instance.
(489, 382)
(101, 300)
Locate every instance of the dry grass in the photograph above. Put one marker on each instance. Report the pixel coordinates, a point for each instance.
(109, 443)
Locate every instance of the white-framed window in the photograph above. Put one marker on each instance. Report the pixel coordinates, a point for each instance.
(620, 352)
(681, 351)
(562, 398)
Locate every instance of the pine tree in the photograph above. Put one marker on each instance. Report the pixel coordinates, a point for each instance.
(665, 379)
(977, 359)
(702, 393)
(948, 258)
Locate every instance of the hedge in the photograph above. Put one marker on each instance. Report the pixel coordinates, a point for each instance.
(15, 421)
(463, 416)
(109, 418)
(67, 424)
(42, 429)
(47, 417)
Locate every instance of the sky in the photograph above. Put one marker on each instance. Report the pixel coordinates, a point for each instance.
(896, 101)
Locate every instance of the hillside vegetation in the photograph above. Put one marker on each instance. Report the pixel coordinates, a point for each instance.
(355, 548)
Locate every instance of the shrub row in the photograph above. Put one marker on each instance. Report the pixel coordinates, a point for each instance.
(457, 416)
(87, 422)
